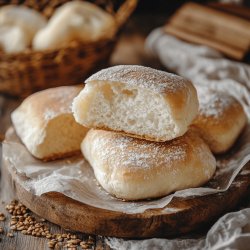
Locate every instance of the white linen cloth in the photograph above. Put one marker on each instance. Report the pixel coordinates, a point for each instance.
(232, 231)
(203, 66)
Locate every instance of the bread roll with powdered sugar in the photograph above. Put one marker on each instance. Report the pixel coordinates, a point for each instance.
(134, 169)
(138, 101)
(220, 121)
(45, 124)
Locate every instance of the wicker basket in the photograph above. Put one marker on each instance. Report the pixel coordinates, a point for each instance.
(29, 71)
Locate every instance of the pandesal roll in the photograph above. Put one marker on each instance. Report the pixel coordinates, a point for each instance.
(134, 169)
(45, 124)
(220, 120)
(139, 101)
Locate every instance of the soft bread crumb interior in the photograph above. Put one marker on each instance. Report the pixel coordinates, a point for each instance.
(124, 108)
(67, 136)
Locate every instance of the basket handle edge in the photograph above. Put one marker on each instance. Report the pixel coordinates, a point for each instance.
(125, 11)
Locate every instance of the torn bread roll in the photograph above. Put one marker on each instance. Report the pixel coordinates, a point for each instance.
(220, 121)
(139, 101)
(45, 124)
(134, 169)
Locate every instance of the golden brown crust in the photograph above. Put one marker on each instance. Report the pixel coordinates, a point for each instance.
(176, 89)
(133, 169)
(139, 76)
(49, 102)
(220, 121)
(172, 101)
(45, 124)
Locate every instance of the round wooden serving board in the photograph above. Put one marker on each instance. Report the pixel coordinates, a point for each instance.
(181, 216)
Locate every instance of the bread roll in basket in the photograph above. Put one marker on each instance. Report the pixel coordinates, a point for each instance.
(30, 71)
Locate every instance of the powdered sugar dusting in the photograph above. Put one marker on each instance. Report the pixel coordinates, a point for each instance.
(140, 76)
(123, 151)
(213, 103)
(49, 114)
(56, 101)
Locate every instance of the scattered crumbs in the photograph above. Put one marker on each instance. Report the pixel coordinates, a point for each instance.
(11, 235)
(2, 217)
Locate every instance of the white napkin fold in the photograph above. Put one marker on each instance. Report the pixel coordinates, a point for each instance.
(232, 231)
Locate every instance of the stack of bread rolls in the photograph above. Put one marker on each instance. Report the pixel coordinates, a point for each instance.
(141, 129)
(139, 146)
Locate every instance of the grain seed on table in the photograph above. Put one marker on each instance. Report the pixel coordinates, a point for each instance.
(23, 222)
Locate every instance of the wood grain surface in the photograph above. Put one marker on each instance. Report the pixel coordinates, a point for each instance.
(199, 24)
